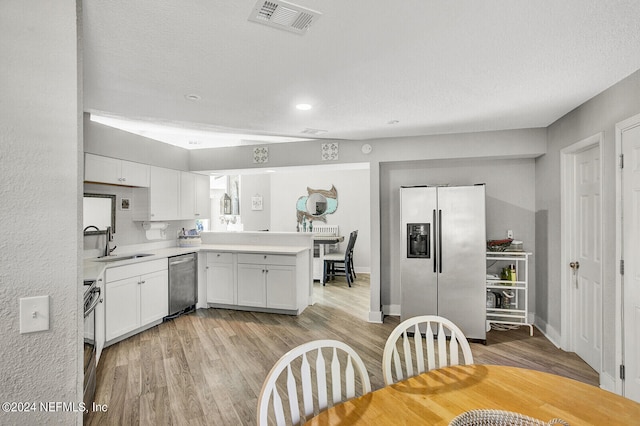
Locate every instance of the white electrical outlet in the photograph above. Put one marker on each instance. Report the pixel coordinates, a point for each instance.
(34, 314)
(510, 234)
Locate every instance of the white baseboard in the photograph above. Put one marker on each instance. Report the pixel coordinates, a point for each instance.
(548, 332)
(393, 310)
(607, 382)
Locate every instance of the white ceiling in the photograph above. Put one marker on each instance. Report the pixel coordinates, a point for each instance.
(432, 66)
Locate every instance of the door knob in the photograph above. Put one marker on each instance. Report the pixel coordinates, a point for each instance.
(575, 265)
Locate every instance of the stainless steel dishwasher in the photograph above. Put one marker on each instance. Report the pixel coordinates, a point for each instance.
(183, 284)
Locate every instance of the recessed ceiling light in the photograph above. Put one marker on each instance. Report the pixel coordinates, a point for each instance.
(192, 97)
(303, 107)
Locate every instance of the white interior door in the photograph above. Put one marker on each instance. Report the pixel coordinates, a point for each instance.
(587, 272)
(631, 254)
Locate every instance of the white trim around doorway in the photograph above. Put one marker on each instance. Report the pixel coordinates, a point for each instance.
(619, 128)
(567, 341)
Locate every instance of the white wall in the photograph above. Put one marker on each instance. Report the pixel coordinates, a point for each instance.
(353, 204)
(600, 114)
(251, 186)
(40, 212)
(510, 205)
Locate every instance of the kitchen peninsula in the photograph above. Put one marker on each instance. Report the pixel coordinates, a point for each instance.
(260, 271)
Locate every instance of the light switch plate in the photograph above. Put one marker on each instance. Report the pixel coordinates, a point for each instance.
(34, 314)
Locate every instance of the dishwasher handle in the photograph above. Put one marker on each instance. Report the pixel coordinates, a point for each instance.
(181, 261)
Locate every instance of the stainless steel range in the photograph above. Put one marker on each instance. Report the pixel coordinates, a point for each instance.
(91, 300)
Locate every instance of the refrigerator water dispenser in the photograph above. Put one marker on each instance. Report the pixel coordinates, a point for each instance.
(418, 242)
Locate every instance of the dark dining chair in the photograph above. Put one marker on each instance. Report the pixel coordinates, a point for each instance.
(341, 263)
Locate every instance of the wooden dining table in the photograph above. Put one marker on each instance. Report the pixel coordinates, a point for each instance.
(438, 396)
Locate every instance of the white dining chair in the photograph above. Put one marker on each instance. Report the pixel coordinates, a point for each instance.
(414, 341)
(300, 364)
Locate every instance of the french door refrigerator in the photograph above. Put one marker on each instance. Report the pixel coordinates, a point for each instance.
(443, 266)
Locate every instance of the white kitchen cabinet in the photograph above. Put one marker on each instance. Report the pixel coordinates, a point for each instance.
(122, 307)
(220, 278)
(187, 195)
(267, 280)
(114, 171)
(203, 197)
(161, 201)
(195, 199)
(251, 285)
(136, 297)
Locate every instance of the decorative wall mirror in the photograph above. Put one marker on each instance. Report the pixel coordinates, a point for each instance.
(317, 204)
(98, 212)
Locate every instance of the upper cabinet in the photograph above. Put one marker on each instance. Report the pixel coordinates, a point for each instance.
(159, 193)
(164, 194)
(195, 202)
(114, 171)
(203, 197)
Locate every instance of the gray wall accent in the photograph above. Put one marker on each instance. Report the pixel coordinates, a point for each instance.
(525, 143)
(599, 114)
(110, 142)
(41, 209)
(510, 204)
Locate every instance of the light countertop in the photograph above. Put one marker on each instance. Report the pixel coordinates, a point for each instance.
(93, 267)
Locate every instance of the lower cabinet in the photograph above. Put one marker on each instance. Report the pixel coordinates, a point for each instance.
(271, 284)
(135, 296)
(220, 280)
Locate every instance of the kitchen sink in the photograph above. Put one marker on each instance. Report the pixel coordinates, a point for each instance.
(115, 257)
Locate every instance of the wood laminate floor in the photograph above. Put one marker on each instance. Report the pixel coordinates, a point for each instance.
(207, 368)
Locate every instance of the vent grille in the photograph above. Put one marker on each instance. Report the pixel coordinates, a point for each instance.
(283, 15)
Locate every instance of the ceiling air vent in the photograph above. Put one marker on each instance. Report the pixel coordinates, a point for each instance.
(283, 15)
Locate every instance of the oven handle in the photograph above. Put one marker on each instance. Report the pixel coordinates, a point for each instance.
(94, 304)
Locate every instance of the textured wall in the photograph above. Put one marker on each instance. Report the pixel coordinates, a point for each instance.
(39, 212)
(600, 114)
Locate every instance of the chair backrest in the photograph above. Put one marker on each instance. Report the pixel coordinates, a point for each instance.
(300, 364)
(324, 229)
(351, 244)
(400, 357)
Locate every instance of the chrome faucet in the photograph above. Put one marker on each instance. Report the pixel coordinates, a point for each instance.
(109, 237)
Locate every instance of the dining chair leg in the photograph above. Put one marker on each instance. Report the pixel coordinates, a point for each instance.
(325, 274)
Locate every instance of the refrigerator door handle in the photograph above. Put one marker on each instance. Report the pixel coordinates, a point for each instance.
(440, 241)
(435, 252)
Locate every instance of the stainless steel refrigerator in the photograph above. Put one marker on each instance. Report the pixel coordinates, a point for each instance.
(443, 266)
